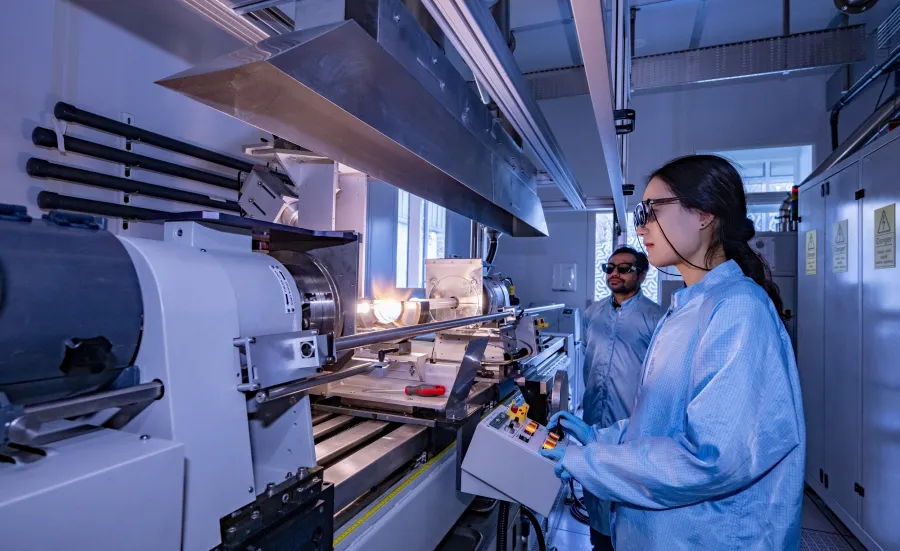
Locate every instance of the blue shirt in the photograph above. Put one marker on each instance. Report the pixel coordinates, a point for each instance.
(713, 454)
(616, 341)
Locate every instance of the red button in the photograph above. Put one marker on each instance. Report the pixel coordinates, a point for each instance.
(514, 409)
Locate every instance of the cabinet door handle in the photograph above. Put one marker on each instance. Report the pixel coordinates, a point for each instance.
(822, 190)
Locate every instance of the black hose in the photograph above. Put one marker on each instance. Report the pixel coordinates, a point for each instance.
(70, 113)
(39, 168)
(47, 138)
(542, 544)
(502, 525)
(494, 236)
(48, 200)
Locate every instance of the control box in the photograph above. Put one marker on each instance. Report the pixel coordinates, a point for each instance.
(504, 461)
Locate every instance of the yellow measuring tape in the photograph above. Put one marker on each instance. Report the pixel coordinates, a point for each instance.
(346, 533)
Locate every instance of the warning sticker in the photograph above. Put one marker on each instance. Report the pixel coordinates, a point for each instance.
(840, 247)
(885, 237)
(811, 252)
(289, 307)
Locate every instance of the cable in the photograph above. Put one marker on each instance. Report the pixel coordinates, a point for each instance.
(542, 544)
(578, 509)
(502, 525)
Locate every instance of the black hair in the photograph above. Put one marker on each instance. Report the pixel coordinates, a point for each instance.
(711, 184)
(641, 262)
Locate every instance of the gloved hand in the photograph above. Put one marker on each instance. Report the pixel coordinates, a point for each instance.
(571, 425)
(556, 454)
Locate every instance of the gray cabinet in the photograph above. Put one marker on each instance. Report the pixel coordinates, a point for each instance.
(848, 343)
(810, 333)
(880, 356)
(841, 345)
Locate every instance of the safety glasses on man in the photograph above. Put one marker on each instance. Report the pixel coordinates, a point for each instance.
(623, 268)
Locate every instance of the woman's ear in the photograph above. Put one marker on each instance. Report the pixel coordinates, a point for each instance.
(706, 220)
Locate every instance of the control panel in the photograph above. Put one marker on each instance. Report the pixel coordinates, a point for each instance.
(504, 461)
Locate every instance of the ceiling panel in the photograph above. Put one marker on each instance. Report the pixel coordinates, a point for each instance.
(532, 12)
(738, 20)
(664, 27)
(547, 48)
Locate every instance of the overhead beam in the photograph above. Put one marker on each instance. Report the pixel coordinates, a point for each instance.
(592, 38)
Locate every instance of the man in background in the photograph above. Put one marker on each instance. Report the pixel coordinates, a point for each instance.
(617, 335)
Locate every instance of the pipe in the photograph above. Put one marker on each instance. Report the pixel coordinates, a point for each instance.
(48, 200)
(860, 136)
(786, 18)
(39, 168)
(69, 113)
(45, 137)
(858, 87)
(350, 342)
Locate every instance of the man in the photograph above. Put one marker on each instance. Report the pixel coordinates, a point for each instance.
(617, 333)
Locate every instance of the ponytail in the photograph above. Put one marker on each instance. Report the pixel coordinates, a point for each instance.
(737, 248)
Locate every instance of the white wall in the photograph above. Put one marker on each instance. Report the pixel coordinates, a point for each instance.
(56, 51)
(529, 260)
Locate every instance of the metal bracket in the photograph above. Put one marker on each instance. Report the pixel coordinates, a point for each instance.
(625, 119)
(271, 360)
(457, 407)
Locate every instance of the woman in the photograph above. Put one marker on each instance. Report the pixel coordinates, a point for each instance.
(712, 456)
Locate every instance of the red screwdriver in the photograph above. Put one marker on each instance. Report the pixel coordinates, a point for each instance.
(420, 390)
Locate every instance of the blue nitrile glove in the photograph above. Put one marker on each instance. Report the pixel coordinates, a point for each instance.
(556, 454)
(572, 425)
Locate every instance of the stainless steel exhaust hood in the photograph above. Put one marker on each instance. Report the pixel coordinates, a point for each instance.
(383, 99)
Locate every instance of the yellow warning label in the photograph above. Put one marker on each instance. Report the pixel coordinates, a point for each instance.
(840, 247)
(886, 237)
(811, 252)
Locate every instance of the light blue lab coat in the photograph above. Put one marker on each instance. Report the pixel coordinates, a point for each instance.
(616, 341)
(713, 455)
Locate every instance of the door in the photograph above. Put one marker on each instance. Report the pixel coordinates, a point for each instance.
(842, 355)
(880, 353)
(810, 330)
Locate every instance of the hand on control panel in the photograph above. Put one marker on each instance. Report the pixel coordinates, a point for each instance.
(556, 454)
(571, 424)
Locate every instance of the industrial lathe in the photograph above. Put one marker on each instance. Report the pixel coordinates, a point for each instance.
(227, 388)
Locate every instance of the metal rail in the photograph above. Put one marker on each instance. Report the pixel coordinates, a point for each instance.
(542, 309)
(350, 342)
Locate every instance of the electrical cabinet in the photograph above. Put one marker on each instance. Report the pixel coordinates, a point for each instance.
(848, 330)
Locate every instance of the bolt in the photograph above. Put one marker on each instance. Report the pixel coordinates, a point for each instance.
(261, 396)
(288, 475)
(396, 19)
(250, 489)
(251, 200)
(434, 61)
(232, 530)
(316, 480)
(145, 437)
(255, 514)
(270, 485)
(321, 509)
(285, 498)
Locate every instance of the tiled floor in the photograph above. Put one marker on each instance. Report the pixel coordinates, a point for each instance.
(818, 533)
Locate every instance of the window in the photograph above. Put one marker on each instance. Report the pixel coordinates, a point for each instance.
(768, 172)
(421, 234)
(604, 245)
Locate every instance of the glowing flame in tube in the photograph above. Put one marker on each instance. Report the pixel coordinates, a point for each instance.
(387, 310)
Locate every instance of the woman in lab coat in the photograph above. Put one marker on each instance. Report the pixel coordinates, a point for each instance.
(713, 455)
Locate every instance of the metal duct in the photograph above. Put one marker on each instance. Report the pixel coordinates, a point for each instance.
(391, 106)
(781, 54)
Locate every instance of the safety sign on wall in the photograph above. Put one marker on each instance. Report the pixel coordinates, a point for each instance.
(840, 247)
(811, 252)
(886, 237)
